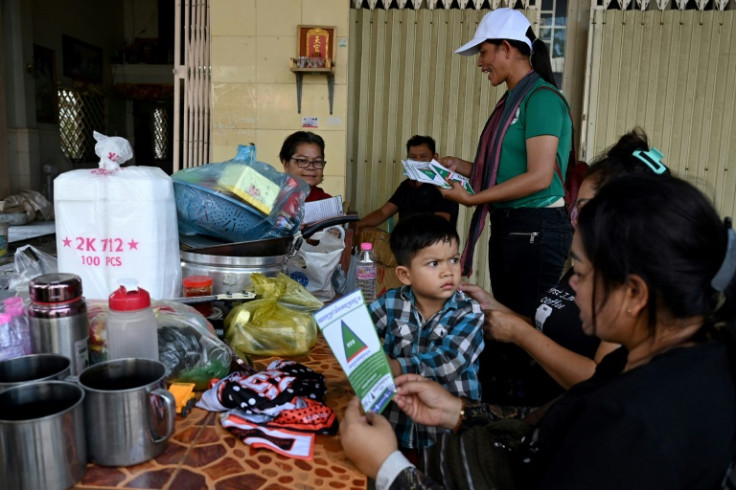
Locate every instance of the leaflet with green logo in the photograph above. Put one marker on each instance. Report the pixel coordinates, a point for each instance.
(349, 330)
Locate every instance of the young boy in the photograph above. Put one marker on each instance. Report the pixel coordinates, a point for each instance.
(428, 326)
(412, 197)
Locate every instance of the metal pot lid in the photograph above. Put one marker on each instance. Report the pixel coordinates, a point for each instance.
(232, 260)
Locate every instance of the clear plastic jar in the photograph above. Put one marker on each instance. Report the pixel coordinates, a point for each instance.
(132, 328)
(198, 286)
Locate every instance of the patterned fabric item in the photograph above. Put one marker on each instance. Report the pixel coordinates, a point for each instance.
(444, 348)
(285, 395)
(292, 444)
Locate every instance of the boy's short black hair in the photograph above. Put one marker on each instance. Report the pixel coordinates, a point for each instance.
(418, 140)
(419, 231)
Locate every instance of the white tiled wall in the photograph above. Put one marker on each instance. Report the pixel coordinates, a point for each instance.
(254, 92)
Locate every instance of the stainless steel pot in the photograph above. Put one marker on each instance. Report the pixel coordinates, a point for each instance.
(230, 274)
(42, 436)
(230, 265)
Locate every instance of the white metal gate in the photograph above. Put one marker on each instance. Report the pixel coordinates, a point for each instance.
(670, 70)
(192, 118)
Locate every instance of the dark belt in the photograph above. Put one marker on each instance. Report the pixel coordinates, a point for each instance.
(520, 212)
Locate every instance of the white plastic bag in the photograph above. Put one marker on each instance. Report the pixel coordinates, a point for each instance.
(314, 265)
(114, 223)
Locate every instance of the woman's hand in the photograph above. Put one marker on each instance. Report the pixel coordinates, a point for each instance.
(504, 327)
(457, 193)
(366, 439)
(477, 293)
(463, 167)
(449, 162)
(427, 402)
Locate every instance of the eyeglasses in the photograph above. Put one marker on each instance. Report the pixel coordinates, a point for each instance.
(305, 163)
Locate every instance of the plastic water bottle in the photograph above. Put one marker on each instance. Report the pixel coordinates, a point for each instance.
(132, 329)
(365, 272)
(19, 323)
(10, 341)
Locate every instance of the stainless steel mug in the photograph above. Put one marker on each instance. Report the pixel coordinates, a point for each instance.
(33, 367)
(42, 442)
(130, 415)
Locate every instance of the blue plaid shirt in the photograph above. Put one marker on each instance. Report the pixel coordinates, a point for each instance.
(444, 348)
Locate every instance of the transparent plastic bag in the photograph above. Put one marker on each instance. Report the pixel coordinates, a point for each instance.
(187, 344)
(239, 200)
(266, 327)
(313, 266)
(29, 262)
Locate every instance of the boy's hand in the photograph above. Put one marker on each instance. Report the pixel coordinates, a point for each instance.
(395, 367)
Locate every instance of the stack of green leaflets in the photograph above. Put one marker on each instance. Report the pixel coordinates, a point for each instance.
(350, 333)
(434, 173)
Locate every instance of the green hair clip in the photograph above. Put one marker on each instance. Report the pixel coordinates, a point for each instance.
(652, 159)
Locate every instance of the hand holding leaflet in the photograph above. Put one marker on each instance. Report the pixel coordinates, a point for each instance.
(434, 173)
(349, 330)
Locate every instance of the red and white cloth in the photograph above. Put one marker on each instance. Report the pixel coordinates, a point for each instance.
(280, 408)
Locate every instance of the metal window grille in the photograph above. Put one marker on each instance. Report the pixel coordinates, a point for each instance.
(553, 31)
(79, 115)
(160, 133)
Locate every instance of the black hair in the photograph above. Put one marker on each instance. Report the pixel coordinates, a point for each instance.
(288, 148)
(618, 159)
(668, 233)
(539, 57)
(418, 140)
(419, 231)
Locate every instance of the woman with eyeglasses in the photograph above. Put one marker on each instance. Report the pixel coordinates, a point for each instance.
(654, 271)
(303, 155)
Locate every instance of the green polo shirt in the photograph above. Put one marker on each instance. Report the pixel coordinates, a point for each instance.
(540, 113)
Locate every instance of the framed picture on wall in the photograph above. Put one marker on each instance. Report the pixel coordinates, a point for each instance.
(44, 74)
(82, 61)
(315, 46)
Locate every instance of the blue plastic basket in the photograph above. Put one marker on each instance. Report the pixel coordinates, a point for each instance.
(201, 210)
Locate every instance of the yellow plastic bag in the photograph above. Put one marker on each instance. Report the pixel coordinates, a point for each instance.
(267, 328)
(289, 292)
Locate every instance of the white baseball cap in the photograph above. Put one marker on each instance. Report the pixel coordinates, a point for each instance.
(503, 23)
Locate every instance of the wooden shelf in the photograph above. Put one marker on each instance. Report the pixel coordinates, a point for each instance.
(313, 70)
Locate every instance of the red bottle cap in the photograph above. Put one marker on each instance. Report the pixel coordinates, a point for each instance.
(130, 298)
(196, 281)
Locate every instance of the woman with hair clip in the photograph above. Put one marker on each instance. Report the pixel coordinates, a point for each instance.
(525, 141)
(559, 354)
(654, 270)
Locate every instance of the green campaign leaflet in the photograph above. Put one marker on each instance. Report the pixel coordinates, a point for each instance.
(434, 173)
(350, 333)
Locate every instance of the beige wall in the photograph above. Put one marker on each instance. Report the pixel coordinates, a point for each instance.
(254, 96)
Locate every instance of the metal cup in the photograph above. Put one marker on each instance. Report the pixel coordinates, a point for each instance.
(129, 413)
(42, 442)
(33, 367)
